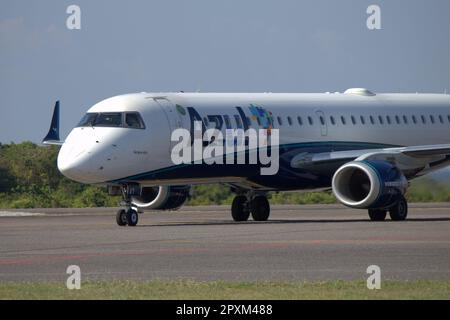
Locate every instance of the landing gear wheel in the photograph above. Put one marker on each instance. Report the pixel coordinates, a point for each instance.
(399, 211)
(377, 214)
(260, 208)
(132, 217)
(121, 218)
(239, 210)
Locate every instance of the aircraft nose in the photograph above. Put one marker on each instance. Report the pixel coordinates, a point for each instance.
(75, 164)
(69, 169)
(69, 166)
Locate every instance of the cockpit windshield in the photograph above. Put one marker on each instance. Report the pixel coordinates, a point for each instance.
(113, 119)
(108, 120)
(134, 120)
(88, 120)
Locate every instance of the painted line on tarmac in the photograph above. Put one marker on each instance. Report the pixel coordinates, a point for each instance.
(4, 214)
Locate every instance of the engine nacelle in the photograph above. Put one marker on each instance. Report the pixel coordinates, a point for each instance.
(161, 198)
(369, 184)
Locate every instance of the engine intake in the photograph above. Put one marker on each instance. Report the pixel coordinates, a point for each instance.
(161, 198)
(369, 184)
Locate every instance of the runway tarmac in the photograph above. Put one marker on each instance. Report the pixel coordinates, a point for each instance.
(313, 242)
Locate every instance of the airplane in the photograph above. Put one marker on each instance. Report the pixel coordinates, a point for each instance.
(365, 147)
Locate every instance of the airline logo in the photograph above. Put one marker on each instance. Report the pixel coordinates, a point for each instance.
(262, 116)
(241, 145)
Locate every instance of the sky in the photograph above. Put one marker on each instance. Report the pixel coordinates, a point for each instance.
(209, 46)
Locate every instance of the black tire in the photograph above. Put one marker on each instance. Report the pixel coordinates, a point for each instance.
(260, 208)
(399, 211)
(239, 210)
(377, 214)
(121, 218)
(132, 217)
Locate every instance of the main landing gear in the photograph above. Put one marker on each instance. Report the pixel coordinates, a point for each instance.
(129, 215)
(398, 212)
(255, 204)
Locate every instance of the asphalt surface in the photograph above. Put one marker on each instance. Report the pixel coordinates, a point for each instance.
(298, 243)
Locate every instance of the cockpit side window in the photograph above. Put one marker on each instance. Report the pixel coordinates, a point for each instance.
(113, 119)
(88, 120)
(134, 120)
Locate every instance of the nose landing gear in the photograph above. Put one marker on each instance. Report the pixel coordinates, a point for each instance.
(128, 216)
(121, 217)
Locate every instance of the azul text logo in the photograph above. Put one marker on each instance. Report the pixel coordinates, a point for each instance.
(213, 140)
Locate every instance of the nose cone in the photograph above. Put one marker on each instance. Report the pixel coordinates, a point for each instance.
(74, 164)
(70, 169)
(78, 162)
(90, 156)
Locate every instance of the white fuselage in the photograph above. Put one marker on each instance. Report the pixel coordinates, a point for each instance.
(336, 121)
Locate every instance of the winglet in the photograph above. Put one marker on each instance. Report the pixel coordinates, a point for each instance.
(52, 136)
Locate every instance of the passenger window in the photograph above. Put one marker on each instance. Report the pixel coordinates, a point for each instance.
(134, 120)
(343, 120)
(289, 119)
(388, 119)
(432, 119)
(108, 120)
(397, 119)
(424, 120)
(363, 121)
(300, 122)
(280, 121)
(353, 120)
(310, 120)
(380, 118)
(371, 120)
(448, 118)
(332, 120)
(441, 119)
(405, 119)
(414, 119)
(322, 120)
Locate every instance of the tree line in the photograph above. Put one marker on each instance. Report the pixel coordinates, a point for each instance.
(29, 178)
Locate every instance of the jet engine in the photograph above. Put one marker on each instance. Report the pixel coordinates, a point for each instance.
(369, 184)
(161, 198)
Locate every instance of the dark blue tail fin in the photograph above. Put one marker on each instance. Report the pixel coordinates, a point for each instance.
(52, 136)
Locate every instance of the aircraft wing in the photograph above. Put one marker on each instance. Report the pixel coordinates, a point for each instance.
(408, 159)
(424, 151)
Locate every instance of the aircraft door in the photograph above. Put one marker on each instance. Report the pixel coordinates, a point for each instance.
(173, 115)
